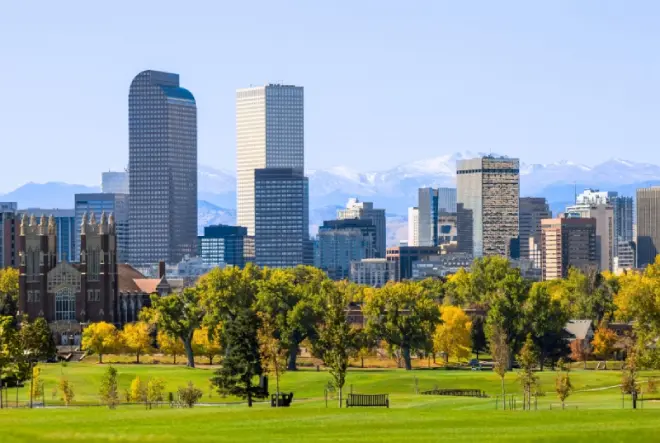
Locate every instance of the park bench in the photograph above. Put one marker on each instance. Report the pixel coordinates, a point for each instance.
(284, 400)
(457, 392)
(368, 400)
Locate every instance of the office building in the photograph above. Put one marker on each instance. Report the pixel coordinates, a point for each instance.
(603, 213)
(162, 121)
(66, 230)
(626, 258)
(567, 243)
(413, 226)
(427, 209)
(281, 218)
(447, 232)
(374, 272)
(97, 204)
(623, 218)
(488, 198)
(223, 245)
(114, 182)
(9, 235)
(532, 211)
(595, 197)
(343, 241)
(447, 200)
(405, 256)
(269, 134)
(648, 225)
(440, 266)
(355, 209)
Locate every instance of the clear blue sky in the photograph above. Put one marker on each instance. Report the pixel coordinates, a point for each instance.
(385, 81)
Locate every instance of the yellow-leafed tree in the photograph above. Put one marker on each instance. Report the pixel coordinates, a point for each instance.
(452, 336)
(206, 344)
(603, 342)
(170, 345)
(137, 339)
(100, 338)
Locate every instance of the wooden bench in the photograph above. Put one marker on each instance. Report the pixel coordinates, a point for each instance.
(368, 400)
(284, 400)
(457, 392)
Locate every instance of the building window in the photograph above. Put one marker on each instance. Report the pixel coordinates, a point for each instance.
(65, 304)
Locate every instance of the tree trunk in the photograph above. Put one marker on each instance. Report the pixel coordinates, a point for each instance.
(405, 351)
(340, 395)
(293, 356)
(248, 385)
(277, 386)
(634, 399)
(189, 353)
(477, 355)
(210, 360)
(503, 394)
(137, 357)
(362, 362)
(100, 358)
(446, 358)
(174, 356)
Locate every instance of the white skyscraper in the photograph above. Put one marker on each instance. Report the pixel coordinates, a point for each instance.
(269, 134)
(413, 227)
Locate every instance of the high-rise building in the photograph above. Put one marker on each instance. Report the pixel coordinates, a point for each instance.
(162, 121)
(9, 235)
(488, 193)
(595, 197)
(96, 204)
(447, 232)
(66, 230)
(355, 209)
(269, 134)
(223, 245)
(374, 272)
(114, 182)
(405, 256)
(344, 241)
(447, 200)
(532, 211)
(427, 207)
(648, 225)
(281, 227)
(603, 213)
(626, 258)
(623, 218)
(413, 226)
(567, 243)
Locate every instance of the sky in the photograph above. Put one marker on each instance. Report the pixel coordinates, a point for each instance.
(386, 82)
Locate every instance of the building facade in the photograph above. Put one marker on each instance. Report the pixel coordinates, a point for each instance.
(405, 256)
(9, 235)
(66, 230)
(115, 182)
(488, 198)
(116, 204)
(648, 225)
(342, 242)
(223, 245)
(626, 258)
(440, 266)
(447, 231)
(427, 216)
(269, 134)
(281, 218)
(567, 243)
(355, 209)
(447, 200)
(532, 211)
(603, 213)
(162, 121)
(413, 226)
(374, 272)
(623, 218)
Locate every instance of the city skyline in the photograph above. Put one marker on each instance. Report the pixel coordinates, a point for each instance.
(518, 96)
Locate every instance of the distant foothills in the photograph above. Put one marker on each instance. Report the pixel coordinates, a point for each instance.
(393, 189)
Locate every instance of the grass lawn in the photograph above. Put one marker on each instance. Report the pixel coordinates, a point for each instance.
(593, 413)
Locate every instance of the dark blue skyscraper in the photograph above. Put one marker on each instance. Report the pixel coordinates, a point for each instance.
(162, 121)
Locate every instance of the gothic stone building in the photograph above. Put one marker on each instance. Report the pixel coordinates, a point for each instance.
(70, 295)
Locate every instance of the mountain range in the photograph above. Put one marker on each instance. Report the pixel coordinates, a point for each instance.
(394, 189)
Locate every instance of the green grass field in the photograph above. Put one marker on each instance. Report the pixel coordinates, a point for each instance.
(594, 412)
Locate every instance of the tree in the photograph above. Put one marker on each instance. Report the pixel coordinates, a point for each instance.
(563, 386)
(499, 351)
(155, 389)
(336, 337)
(109, 391)
(603, 342)
(100, 338)
(242, 362)
(629, 384)
(207, 343)
(478, 336)
(452, 335)
(37, 339)
(178, 315)
(138, 391)
(545, 320)
(66, 388)
(273, 353)
(169, 345)
(137, 338)
(404, 315)
(580, 351)
(37, 386)
(527, 358)
(189, 395)
(588, 294)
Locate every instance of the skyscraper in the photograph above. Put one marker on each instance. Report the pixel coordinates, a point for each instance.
(603, 214)
(413, 226)
(623, 218)
(9, 227)
(532, 211)
(355, 209)
(162, 121)
(427, 207)
(269, 134)
(567, 243)
(114, 182)
(344, 241)
(648, 225)
(447, 200)
(488, 193)
(98, 203)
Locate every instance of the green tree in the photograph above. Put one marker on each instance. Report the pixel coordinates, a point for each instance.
(242, 361)
(178, 315)
(404, 315)
(478, 336)
(155, 389)
(272, 351)
(588, 295)
(527, 358)
(563, 386)
(630, 375)
(100, 338)
(545, 320)
(500, 353)
(337, 340)
(37, 339)
(189, 395)
(37, 385)
(9, 287)
(109, 391)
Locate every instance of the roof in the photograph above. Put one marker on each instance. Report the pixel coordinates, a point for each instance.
(579, 328)
(178, 93)
(147, 285)
(127, 275)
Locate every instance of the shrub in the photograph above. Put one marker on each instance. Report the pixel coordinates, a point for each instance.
(189, 395)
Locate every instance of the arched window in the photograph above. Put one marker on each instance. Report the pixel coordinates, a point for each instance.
(65, 304)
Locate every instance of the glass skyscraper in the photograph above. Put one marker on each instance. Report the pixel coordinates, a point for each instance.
(96, 204)
(269, 134)
(162, 121)
(223, 245)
